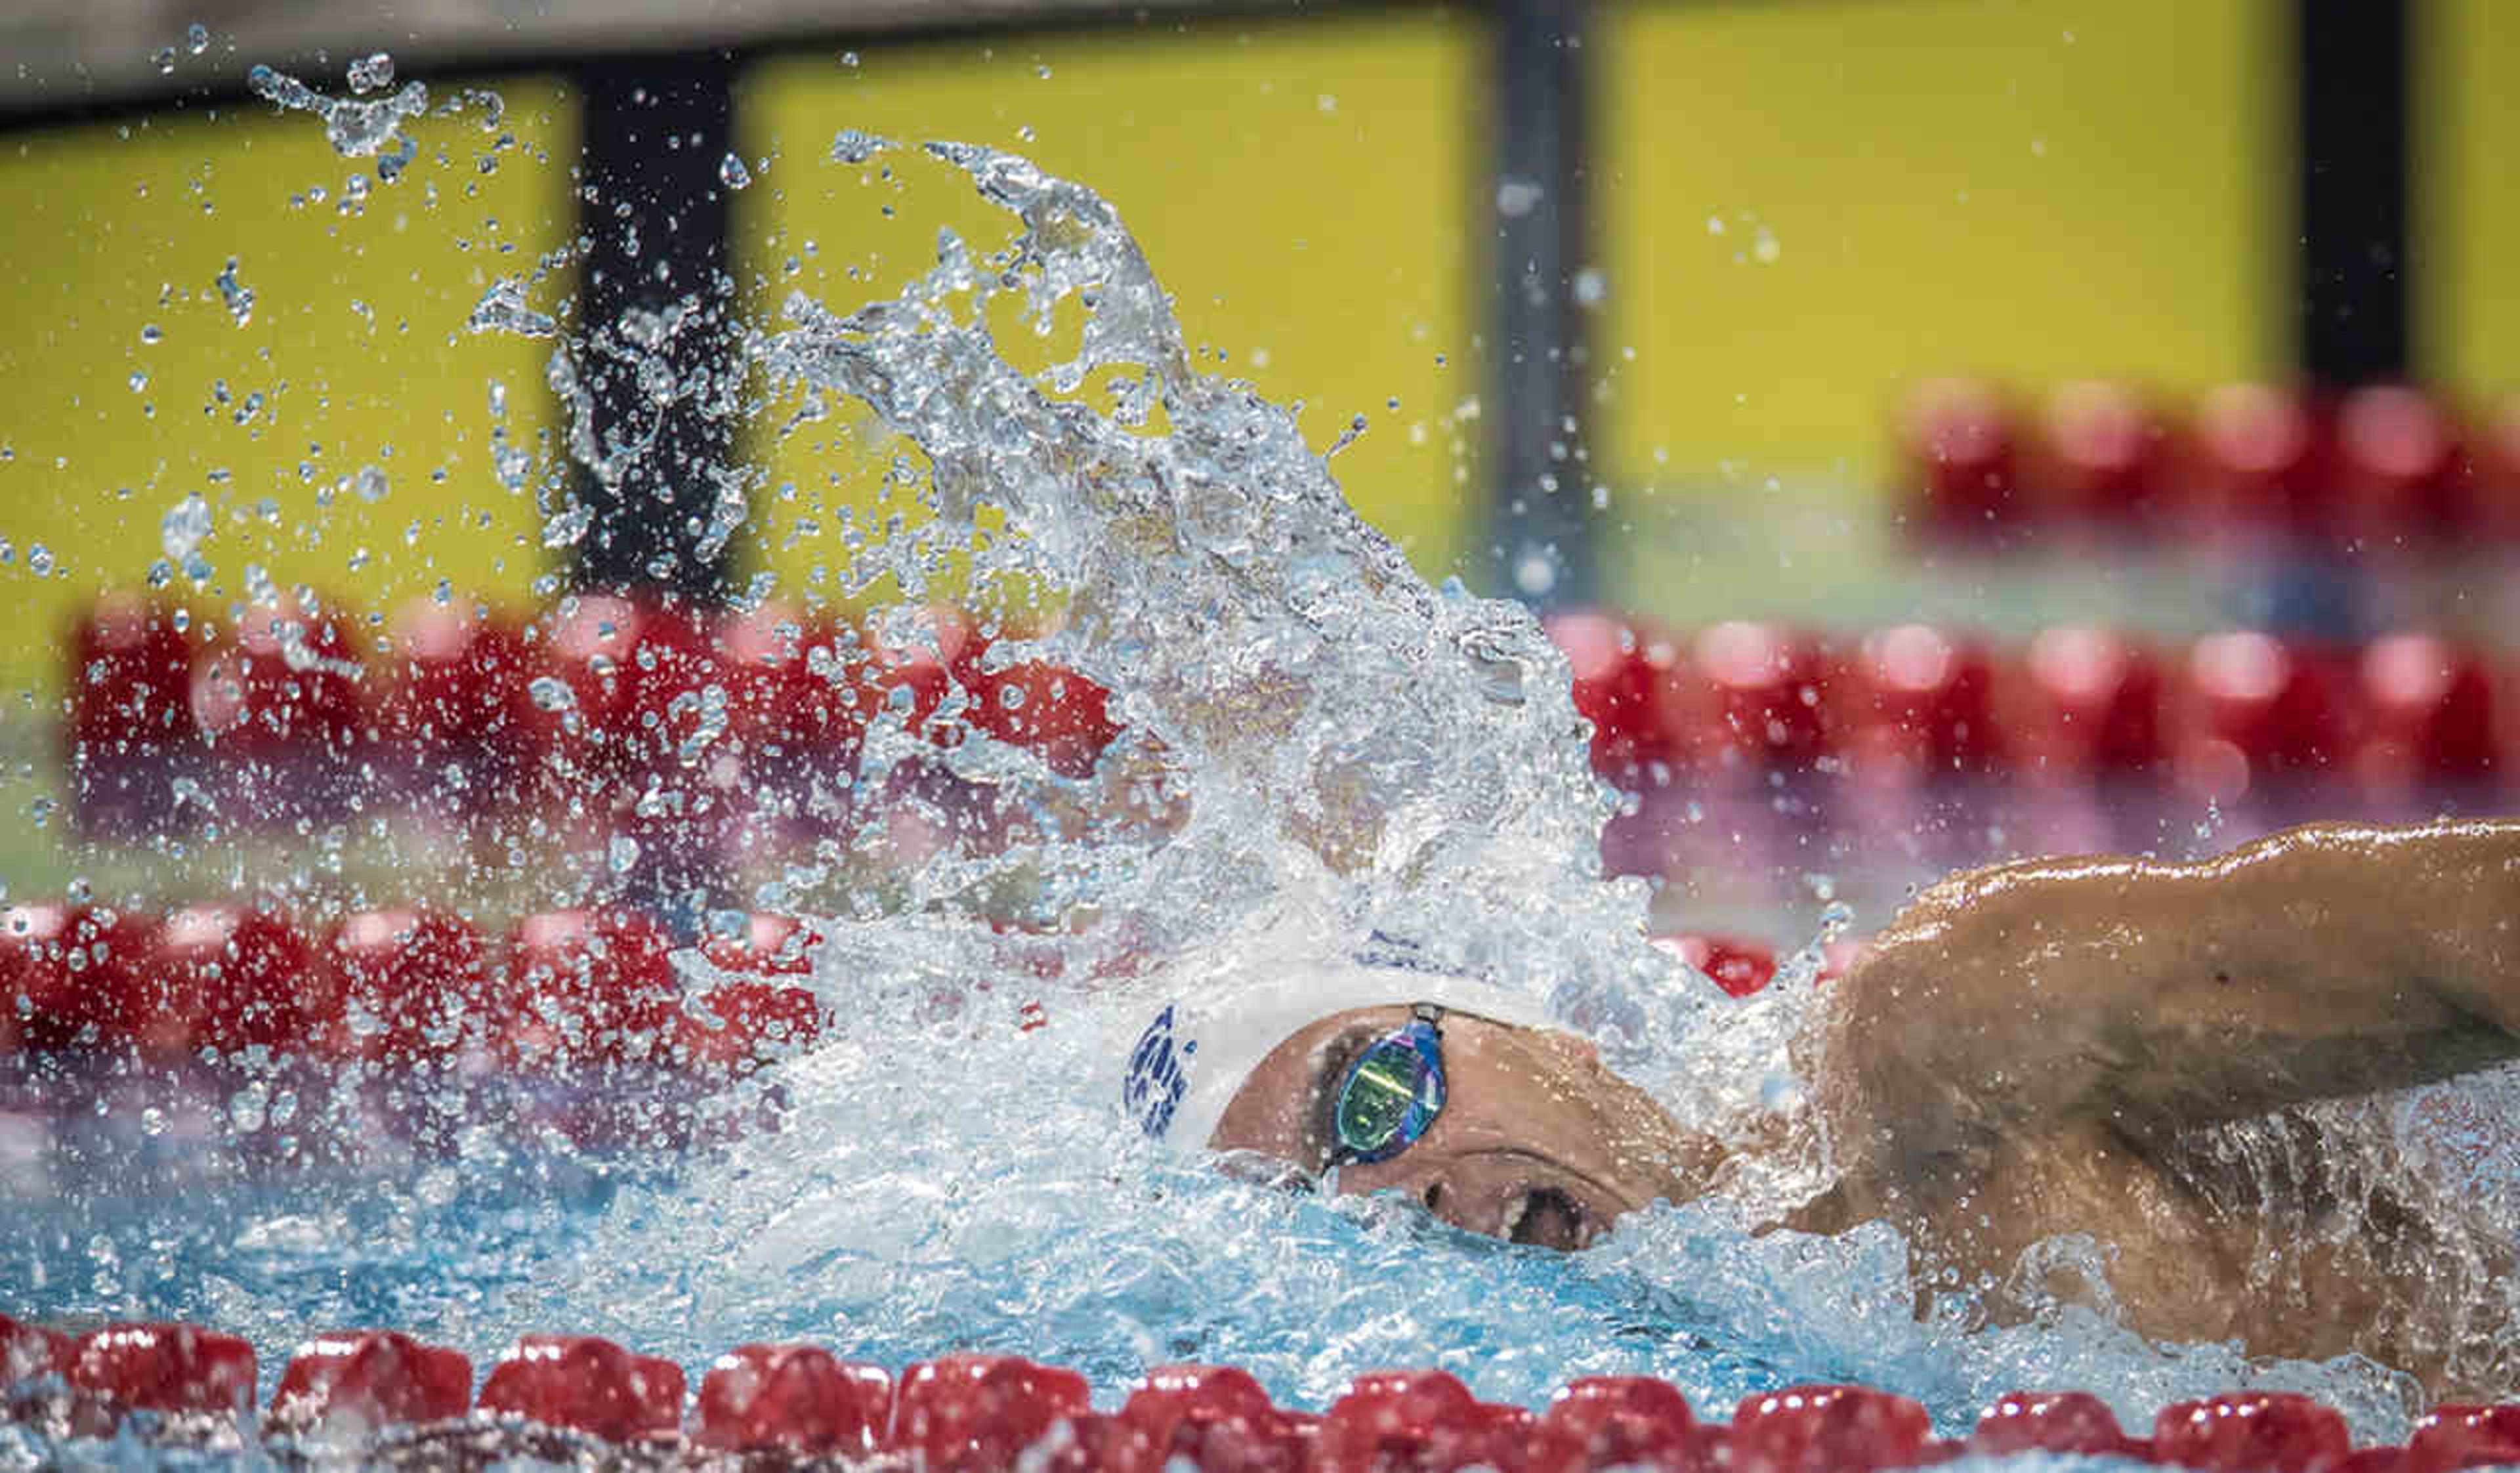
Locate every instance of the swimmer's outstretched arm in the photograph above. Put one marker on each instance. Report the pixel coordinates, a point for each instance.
(2144, 997)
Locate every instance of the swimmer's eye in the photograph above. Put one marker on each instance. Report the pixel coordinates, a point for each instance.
(1336, 1060)
(1384, 1092)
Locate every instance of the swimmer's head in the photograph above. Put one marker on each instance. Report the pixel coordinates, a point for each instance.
(1402, 1077)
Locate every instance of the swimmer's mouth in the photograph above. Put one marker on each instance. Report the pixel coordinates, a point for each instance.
(1547, 1217)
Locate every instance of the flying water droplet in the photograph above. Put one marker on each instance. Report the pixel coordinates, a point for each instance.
(197, 39)
(356, 129)
(851, 146)
(567, 528)
(622, 855)
(512, 464)
(249, 1107)
(732, 174)
(237, 295)
(503, 309)
(374, 72)
(164, 57)
(183, 530)
(1535, 572)
(551, 693)
(392, 161)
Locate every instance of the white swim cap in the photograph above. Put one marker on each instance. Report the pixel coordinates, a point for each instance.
(1223, 1010)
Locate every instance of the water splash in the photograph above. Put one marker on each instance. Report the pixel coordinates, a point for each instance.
(1411, 751)
(356, 129)
(1354, 746)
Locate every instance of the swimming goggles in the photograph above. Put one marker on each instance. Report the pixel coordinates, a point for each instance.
(1392, 1092)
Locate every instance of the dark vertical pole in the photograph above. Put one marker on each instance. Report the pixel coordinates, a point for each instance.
(2354, 131)
(656, 359)
(656, 294)
(1541, 527)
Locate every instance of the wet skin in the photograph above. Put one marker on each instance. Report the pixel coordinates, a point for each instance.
(2062, 1047)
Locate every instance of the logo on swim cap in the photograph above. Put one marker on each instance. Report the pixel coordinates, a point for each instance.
(1156, 1083)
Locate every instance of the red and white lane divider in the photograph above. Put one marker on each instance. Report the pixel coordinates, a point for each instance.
(2404, 719)
(417, 988)
(2377, 469)
(603, 717)
(968, 1413)
(410, 989)
(296, 709)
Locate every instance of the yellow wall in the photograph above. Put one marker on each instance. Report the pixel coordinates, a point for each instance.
(1807, 205)
(356, 342)
(1300, 185)
(2033, 189)
(2465, 210)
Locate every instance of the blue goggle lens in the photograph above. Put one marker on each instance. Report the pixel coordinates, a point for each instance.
(1391, 1095)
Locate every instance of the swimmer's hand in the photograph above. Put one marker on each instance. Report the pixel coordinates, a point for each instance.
(2145, 997)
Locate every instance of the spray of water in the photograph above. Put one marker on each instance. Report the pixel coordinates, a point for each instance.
(1358, 751)
(1409, 758)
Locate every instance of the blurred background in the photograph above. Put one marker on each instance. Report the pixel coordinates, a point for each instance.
(1807, 362)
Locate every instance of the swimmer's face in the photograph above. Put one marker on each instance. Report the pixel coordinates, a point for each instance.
(1536, 1142)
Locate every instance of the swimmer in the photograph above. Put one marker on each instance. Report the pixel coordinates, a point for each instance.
(2033, 1049)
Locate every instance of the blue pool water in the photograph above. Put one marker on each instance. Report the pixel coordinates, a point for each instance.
(945, 1187)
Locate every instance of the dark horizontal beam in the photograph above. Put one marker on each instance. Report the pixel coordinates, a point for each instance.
(68, 58)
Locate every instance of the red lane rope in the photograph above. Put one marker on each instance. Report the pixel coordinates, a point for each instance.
(417, 988)
(971, 1414)
(470, 711)
(414, 988)
(2380, 470)
(2397, 721)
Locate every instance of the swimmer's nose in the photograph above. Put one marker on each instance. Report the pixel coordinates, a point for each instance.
(1500, 1218)
(1442, 1198)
